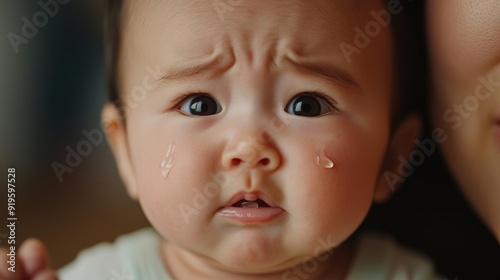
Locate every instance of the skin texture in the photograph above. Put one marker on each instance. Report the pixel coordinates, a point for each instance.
(464, 38)
(253, 142)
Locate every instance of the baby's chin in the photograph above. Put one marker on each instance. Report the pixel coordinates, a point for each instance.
(250, 248)
(251, 251)
(252, 262)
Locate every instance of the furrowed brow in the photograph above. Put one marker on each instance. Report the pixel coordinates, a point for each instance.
(183, 72)
(323, 70)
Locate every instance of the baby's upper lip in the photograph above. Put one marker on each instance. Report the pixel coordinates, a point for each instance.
(250, 196)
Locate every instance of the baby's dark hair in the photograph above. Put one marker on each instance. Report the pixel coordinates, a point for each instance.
(410, 63)
(410, 78)
(112, 39)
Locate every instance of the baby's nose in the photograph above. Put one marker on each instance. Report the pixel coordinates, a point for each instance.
(251, 155)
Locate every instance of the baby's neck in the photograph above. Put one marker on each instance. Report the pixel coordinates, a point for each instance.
(183, 264)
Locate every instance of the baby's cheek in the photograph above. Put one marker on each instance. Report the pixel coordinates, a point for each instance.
(178, 205)
(354, 179)
(337, 199)
(172, 210)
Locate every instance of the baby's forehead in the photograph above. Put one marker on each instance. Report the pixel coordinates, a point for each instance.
(225, 8)
(307, 16)
(158, 26)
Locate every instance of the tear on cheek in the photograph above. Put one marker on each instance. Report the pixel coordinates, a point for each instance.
(168, 161)
(322, 160)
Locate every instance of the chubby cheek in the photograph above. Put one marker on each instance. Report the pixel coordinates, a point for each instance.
(170, 171)
(332, 202)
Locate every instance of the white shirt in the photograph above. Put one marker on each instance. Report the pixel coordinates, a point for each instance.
(137, 256)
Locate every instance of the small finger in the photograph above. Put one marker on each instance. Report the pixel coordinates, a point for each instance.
(33, 256)
(46, 275)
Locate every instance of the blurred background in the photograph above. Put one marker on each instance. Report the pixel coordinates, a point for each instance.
(52, 90)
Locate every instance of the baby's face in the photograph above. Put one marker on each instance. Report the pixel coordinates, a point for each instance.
(258, 103)
(465, 55)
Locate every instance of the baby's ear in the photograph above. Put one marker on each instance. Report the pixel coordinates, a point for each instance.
(402, 143)
(117, 139)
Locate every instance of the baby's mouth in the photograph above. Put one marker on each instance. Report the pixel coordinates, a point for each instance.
(251, 204)
(251, 208)
(250, 200)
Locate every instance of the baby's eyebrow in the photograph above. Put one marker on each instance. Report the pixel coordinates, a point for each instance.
(323, 70)
(191, 70)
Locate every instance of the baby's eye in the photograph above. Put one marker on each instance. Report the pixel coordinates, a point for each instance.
(310, 104)
(199, 105)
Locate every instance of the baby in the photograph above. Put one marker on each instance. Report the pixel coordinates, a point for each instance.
(464, 38)
(255, 135)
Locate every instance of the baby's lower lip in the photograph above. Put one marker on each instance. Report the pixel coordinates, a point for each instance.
(259, 215)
